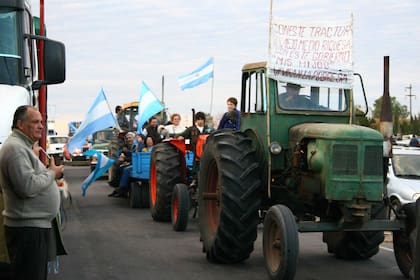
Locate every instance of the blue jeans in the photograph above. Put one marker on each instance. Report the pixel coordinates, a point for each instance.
(125, 177)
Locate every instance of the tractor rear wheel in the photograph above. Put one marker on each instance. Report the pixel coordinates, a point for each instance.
(403, 249)
(357, 245)
(229, 197)
(280, 243)
(165, 173)
(180, 207)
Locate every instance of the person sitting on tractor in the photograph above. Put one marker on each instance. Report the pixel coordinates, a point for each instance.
(152, 130)
(199, 128)
(293, 100)
(174, 127)
(149, 144)
(193, 133)
(232, 118)
(123, 162)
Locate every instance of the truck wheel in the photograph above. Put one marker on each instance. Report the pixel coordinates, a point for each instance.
(280, 243)
(165, 173)
(229, 197)
(403, 250)
(357, 245)
(180, 207)
(135, 194)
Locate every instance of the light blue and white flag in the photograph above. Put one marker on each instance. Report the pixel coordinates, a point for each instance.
(97, 118)
(149, 105)
(197, 77)
(102, 165)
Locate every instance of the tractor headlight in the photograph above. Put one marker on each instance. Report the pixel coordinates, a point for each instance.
(275, 148)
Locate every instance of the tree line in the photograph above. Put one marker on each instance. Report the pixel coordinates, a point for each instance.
(403, 123)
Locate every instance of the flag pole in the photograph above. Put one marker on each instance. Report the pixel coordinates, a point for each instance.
(109, 107)
(162, 113)
(212, 88)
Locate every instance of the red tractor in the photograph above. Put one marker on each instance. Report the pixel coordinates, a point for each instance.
(173, 174)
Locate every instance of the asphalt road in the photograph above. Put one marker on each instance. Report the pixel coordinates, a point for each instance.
(106, 239)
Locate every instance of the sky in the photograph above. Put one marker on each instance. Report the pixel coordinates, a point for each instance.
(115, 45)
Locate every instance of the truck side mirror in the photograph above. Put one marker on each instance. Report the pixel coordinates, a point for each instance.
(54, 62)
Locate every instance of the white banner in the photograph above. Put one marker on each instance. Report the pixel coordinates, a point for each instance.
(317, 54)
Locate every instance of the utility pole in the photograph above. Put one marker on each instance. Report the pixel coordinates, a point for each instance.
(409, 88)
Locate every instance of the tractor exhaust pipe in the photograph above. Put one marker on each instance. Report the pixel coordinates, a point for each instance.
(385, 126)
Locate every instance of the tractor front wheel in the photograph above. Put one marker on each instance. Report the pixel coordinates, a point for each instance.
(180, 207)
(229, 197)
(165, 173)
(280, 243)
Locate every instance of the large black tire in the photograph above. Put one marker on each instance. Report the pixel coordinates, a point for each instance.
(180, 207)
(357, 245)
(229, 197)
(403, 249)
(135, 194)
(139, 194)
(165, 173)
(280, 243)
(145, 195)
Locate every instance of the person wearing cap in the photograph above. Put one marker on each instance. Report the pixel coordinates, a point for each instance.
(290, 99)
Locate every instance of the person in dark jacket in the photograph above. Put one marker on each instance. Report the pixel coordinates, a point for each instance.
(152, 130)
(121, 119)
(200, 127)
(193, 133)
(232, 118)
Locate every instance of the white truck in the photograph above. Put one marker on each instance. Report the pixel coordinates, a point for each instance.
(27, 62)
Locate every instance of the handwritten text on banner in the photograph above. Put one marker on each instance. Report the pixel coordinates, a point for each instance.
(318, 54)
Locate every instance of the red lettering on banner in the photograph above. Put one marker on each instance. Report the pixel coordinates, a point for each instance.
(289, 30)
(336, 31)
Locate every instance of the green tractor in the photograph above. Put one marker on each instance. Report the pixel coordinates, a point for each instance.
(306, 168)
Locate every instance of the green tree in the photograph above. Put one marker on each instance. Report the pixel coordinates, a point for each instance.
(399, 115)
(398, 111)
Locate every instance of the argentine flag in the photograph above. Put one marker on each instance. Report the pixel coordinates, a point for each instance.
(149, 105)
(197, 77)
(103, 164)
(97, 118)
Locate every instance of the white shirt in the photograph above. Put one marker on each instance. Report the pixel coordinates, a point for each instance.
(175, 129)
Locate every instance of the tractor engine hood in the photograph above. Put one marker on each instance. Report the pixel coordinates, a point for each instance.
(332, 132)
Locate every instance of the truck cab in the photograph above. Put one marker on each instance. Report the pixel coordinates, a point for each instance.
(20, 59)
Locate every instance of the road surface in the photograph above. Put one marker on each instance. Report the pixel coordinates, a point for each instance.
(106, 239)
